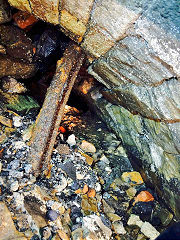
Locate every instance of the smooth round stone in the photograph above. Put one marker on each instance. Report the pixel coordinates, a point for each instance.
(52, 215)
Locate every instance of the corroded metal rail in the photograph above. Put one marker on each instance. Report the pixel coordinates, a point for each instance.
(49, 118)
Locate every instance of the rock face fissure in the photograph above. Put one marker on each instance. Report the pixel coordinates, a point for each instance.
(135, 49)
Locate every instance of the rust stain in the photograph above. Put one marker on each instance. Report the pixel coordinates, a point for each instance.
(49, 118)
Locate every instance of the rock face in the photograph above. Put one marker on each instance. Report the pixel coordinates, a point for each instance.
(136, 46)
(141, 75)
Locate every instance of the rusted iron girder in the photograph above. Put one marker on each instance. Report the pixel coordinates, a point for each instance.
(49, 118)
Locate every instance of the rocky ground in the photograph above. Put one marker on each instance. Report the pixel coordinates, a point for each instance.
(90, 190)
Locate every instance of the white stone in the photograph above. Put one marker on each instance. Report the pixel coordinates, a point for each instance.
(19, 144)
(14, 186)
(135, 220)
(62, 186)
(98, 187)
(104, 159)
(18, 199)
(87, 147)
(28, 168)
(17, 121)
(119, 228)
(93, 223)
(71, 140)
(149, 231)
(108, 169)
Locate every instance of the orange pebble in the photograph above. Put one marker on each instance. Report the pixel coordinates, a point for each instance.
(24, 19)
(34, 50)
(62, 129)
(85, 188)
(78, 191)
(144, 196)
(91, 193)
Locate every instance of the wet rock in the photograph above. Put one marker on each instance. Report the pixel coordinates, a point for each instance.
(75, 213)
(69, 169)
(47, 45)
(5, 12)
(51, 215)
(11, 85)
(162, 214)
(134, 178)
(87, 147)
(135, 220)
(15, 68)
(14, 186)
(89, 205)
(119, 228)
(144, 210)
(7, 228)
(131, 192)
(148, 230)
(94, 224)
(17, 44)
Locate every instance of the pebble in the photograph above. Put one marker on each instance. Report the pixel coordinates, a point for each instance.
(119, 228)
(19, 145)
(149, 231)
(28, 168)
(134, 178)
(87, 147)
(14, 186)
(63, 149)
(6, 121)
(27, 133)
(17, 121)
(52, 215)
(134, 220)
(71, 140)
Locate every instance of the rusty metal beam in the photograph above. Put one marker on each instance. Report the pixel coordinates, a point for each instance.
(49, 118)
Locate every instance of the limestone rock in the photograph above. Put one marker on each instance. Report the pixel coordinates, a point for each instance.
(7, 228)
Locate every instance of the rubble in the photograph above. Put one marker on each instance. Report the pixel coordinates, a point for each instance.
(88, 188)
